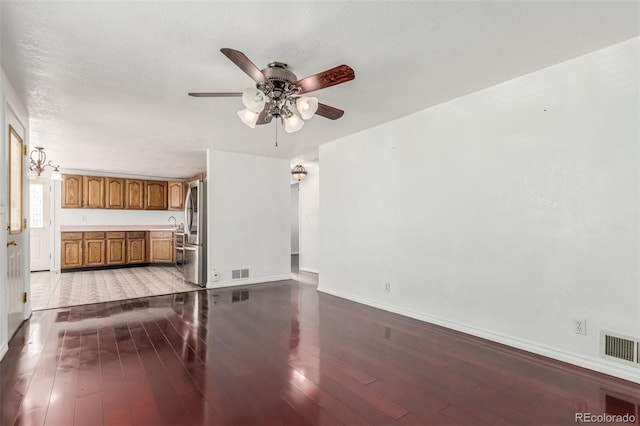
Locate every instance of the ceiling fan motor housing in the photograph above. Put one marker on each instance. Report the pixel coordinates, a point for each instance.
(279, 75)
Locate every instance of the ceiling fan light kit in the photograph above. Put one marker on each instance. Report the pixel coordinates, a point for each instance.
(292, 123)
(253, 99)
(248, 117)
(277, 93)
(307, 106)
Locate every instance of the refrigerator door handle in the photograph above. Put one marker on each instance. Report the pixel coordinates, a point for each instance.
(188, 213)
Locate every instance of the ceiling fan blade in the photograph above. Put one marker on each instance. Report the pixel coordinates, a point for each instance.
(262, 118)
(328, 78)
(329, 112)
(215, 94)
(245, 64)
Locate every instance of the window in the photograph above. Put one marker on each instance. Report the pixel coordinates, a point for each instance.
(36, 203)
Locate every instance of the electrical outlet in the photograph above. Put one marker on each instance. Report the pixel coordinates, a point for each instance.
(387, 287)
(580, 326)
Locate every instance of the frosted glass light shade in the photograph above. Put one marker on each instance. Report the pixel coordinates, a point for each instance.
(56, 175)
(253, 99)
(249, 118)
(307, 106)
(293, 124)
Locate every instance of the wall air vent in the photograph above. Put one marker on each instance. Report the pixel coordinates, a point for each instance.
(618, 347)
(239, 273)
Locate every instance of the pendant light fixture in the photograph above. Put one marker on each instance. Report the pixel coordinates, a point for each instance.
(38, 162)
(298, 172)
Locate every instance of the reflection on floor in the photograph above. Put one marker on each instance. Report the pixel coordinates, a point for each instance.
(51, 290)
(283, 353)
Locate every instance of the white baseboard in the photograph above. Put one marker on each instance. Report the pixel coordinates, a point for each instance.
(3, 350)
(246, 281)
(602, 366)
(312, 270)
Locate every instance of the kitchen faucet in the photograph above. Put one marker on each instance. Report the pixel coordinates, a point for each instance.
(175, 225)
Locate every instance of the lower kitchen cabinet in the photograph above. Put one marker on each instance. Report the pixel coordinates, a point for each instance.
(161, 247)
(94, 249)
(136, 247)
(116, 248)
(71, 250)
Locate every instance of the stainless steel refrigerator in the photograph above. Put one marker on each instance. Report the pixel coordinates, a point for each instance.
(195, 234)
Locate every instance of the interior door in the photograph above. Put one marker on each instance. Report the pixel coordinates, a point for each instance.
(39, 219)
(16, 234)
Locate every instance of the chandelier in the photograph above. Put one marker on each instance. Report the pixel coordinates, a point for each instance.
(38, 162)
(277, 99)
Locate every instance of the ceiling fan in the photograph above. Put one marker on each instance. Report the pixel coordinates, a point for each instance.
(278, 92)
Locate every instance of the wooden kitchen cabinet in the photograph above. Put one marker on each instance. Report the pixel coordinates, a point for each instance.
(114, 188)
(176, 195)
(161, 247)
(155, 195)
(71, 250)
(93, 192)
(71, 192)
(94, 249)
(134, 194)
(116, 248)
(136, 247)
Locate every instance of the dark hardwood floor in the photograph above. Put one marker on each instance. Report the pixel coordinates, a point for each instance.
(280, 354)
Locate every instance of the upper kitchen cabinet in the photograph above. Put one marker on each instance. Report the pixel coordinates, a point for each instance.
(114, 193)
(134, 194)
(93, 192)
(176, 195)
(155, 195)
(71, 192)
(108, 192)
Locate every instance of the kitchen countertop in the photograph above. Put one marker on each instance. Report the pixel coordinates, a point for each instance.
(98, 228)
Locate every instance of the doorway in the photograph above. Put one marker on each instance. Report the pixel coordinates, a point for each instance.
(295, 224)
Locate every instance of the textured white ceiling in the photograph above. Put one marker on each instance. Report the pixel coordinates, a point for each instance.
(106, 82)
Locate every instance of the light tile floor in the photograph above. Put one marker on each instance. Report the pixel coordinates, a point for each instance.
(50, 290)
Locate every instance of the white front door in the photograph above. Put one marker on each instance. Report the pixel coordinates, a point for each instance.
(39, 207)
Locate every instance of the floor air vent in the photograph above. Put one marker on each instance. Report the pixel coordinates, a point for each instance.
(621, 348)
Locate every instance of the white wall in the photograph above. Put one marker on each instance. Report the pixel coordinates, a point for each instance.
(505, 213)
(12, 111)
(309, 218)
(295, 218)
(248, 217)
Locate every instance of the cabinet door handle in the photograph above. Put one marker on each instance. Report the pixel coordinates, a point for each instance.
(12, 243)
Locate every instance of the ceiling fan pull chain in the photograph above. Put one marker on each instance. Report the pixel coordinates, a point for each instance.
(276, 133)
